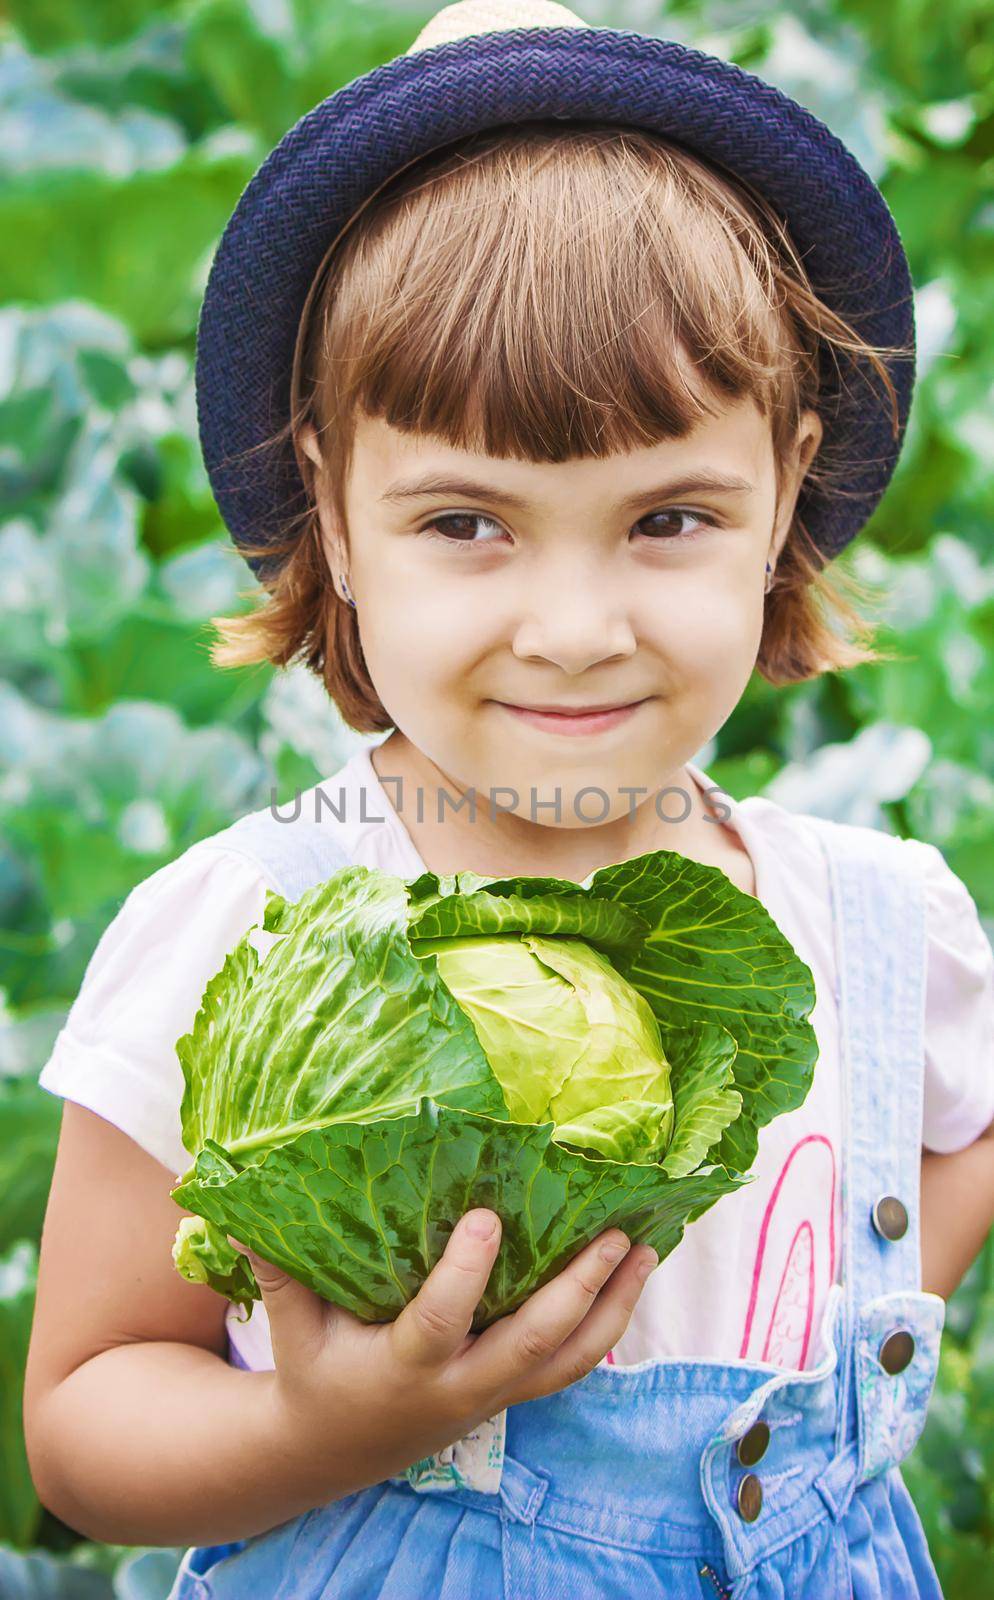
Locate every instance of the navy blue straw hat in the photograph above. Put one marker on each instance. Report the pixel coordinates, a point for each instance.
(480, 63)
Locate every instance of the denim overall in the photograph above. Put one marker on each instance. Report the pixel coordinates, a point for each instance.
(661, 1481)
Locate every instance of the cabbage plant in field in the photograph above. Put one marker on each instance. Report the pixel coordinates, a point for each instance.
(575, 1056)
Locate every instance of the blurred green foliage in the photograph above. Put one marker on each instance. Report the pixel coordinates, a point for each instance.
(129, 128)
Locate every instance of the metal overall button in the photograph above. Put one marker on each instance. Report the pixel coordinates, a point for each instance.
(889, 1216)
(897, 1351)
(749, 1497)
(753, 1445)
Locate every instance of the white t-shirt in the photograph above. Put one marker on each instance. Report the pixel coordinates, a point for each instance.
(750, 1279)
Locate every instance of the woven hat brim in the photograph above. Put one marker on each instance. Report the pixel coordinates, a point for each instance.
(326, 165)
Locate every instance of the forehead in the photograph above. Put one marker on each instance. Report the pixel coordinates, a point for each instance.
(736, 440)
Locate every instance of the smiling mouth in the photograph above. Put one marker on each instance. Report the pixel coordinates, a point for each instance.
(572, 711)
(558, 720)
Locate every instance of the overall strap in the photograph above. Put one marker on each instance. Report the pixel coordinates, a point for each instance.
(879, 915)
(295, 854)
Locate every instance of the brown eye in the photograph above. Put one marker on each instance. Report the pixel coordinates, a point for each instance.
(458, 528)
(664, 526)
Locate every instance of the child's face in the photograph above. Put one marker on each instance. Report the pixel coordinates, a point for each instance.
(595, 584)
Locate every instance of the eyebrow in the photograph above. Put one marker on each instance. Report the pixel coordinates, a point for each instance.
(470, 489)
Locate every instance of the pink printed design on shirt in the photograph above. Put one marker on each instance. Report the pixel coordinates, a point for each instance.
(793, 1309)
(789, 1281)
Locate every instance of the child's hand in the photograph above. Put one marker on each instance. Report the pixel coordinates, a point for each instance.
(360, 1402)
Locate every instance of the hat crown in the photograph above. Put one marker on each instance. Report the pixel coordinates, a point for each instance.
(468, 17)
(549, 64)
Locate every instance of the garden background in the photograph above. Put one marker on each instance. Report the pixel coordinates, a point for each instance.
(127, 130)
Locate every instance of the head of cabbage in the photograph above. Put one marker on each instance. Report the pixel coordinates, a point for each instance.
(569, 1040)
(573, 1056)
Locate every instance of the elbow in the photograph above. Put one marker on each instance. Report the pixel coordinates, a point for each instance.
(35, 1443)
(45, 1445)
(43, 1458)
(43, 1467)
(55, 1498)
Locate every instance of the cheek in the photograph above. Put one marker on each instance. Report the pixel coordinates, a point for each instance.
(709, 628)
(415, 646)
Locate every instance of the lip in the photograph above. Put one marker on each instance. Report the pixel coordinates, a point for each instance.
(574, 711)
(572, 721)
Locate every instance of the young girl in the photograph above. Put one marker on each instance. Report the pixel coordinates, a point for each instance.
(541, 373)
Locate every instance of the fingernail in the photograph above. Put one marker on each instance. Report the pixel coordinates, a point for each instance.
(480, 1224)
(615, 1250)
(646, 1265)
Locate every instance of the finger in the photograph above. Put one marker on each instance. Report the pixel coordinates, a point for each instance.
(600, 1330)
(296, 1314)
(532, 1334)
(435, 1323)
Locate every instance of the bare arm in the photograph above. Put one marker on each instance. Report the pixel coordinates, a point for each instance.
(137, 1429)
(957, 1211)
(163, 1444)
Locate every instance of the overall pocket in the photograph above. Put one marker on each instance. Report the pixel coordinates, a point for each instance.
(897, 1340)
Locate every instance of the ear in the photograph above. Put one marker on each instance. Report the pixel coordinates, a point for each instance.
(806, 446)
(809, 437)
(332, 540)
(308, 441)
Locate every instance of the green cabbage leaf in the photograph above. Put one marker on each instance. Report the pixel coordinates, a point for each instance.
(575, 1056)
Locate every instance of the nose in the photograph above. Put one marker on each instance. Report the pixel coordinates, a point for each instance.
(573, 618)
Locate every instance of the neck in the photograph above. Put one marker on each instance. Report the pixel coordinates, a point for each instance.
(453, 838)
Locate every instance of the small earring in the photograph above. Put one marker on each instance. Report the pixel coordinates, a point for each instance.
(346, 591)
(769, 578)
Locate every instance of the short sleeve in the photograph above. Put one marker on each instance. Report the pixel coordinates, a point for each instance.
(116, 1053)
(959, 1013)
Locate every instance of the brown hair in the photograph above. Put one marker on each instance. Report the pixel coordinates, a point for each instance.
(534, 291)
